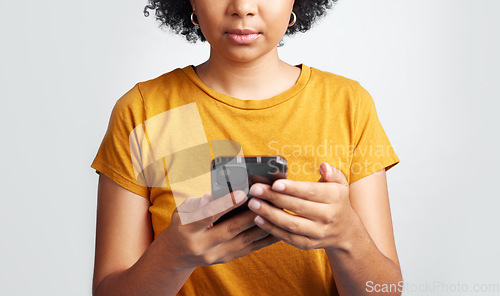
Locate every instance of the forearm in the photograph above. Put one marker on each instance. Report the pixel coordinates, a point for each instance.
(153, 274)
(359, 265)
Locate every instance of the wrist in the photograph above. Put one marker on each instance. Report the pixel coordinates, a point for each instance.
(348, 236)
(159, 270)
(169, 254)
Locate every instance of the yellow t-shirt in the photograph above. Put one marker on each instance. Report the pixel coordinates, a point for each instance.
(164, 132)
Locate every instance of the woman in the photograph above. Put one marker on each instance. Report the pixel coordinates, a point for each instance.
(335, 237)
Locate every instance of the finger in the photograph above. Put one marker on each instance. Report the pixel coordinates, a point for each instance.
(213, 210)
(312, 191)
(205, 199)
(229, 202)
(252, 247)
(297, 240)
(284, 220)
(190, 204)
(330, 173)
(243, 239)
(230, 229)
(233, 226)
(313, 210)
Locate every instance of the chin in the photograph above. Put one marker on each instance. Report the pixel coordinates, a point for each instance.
(246, 55)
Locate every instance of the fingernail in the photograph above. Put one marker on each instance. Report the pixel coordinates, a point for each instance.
(239, 196)
(256, 190)
(253, 204)
(327, 169)
(258, 220)
(278, 186)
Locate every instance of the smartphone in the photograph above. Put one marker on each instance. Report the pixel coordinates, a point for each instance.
(229, 174)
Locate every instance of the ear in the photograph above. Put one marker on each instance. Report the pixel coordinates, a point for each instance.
(192, 5)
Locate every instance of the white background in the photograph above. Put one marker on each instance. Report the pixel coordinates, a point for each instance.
(431, 67)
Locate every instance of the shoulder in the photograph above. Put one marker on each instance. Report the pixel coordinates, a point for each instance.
(143, 93)
(340, 87)
(332, 79)
(170, 81)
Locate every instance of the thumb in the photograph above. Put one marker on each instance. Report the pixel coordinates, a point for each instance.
(330, 173)
(206, 210)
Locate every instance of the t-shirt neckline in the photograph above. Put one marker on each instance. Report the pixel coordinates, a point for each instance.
(251, 104)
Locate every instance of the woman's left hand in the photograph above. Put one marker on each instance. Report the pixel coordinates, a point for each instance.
(322, 212)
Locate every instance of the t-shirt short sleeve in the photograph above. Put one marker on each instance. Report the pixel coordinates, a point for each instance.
(114, 156)
(372, 150)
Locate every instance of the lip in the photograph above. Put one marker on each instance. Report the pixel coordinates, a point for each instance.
(243, 36)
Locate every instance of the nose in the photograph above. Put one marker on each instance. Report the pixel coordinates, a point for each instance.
(242, 8)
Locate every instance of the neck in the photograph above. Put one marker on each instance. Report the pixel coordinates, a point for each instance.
(258, 79)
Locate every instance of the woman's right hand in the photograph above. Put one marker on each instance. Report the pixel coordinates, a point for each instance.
(199, 243)
(129, 262)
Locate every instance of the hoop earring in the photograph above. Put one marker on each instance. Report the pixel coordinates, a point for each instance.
(293, 21)
(192, 19)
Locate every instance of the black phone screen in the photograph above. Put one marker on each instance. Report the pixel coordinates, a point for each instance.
(240, 173)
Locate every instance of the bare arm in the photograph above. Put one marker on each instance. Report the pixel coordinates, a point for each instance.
(332, 215)
(129, 262)
(369, 261)
(126, 260)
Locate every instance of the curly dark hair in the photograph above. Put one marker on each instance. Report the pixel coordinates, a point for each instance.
(176, 15)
